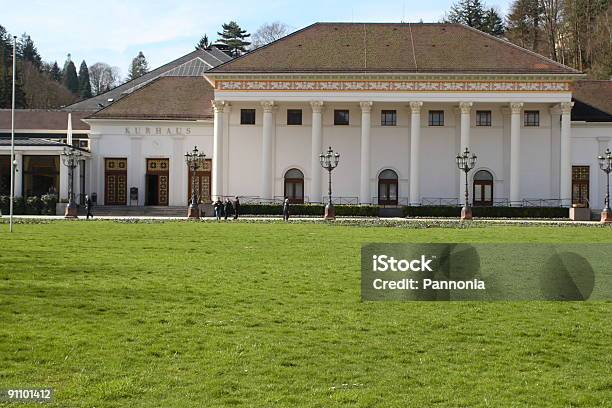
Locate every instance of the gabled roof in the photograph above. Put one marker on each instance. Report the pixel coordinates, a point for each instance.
(192, 64)
(41, 119)
(165, 98)
(592, 101)
(391, 47)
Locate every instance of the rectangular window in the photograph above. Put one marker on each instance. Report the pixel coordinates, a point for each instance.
(436, 118)
(483, 118)
(532, 118)
(294, 116)
(341, 117)
(247, 116)
(388, 118)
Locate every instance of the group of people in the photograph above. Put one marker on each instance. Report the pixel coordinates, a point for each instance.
(225, 209)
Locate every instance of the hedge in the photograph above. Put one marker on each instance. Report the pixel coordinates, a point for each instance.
(488, 212)
(416, 211)
(309, 209)
(30, 205)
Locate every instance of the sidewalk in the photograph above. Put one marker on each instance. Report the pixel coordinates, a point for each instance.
(389, 220)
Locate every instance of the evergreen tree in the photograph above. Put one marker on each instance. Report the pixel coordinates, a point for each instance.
(524, 22)
(71, 80)
(27, 51)
(473, 14)
(234, 38)
(492, 23)
(139, 67)
(203, 44)
(84, 82)
(55, 73)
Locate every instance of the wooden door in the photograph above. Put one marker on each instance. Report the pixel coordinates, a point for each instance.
(115, 181)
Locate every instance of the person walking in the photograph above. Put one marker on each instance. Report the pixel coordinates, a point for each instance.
(236, 208)
(217, 207)
(88, 206)
(286, 209)
(227, 208)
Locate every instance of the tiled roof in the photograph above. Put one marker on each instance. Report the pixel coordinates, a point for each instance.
(192, 64)
(38, 119)
(592, 101)
(391, 47)
(167, 97)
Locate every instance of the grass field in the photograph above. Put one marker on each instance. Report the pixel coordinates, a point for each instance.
(269, 315)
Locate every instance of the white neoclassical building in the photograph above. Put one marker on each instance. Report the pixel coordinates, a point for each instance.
(397, 101)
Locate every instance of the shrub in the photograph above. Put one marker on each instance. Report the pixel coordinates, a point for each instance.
(49, 202)
(488, 212)
(309, 209)
(34, 205)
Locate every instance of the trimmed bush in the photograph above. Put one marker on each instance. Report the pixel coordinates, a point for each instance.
(30, 205)
(488, 212)
(309, 209)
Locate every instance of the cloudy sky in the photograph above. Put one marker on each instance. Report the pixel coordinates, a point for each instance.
(114, 31)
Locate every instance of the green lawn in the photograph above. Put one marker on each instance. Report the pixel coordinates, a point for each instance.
(269, 315)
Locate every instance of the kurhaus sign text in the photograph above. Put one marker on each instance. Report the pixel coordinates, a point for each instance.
(157, 131)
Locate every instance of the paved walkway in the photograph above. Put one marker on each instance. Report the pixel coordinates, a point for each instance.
(398, 220)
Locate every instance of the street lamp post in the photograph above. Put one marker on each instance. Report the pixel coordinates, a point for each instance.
(70, 158)
(465, 162)
(605, 164)
(329, 161)
(194, 161)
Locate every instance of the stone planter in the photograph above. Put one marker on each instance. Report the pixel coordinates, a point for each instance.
(60, 208)
(580, 214)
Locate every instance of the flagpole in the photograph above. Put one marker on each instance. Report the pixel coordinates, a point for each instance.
(13, 139)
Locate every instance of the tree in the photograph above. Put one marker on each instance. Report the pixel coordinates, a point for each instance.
(473, 14)
(139, 67)
(203, 44)
(55, 73)
(103, 77)
(71, 81)
(492, 23)
(84, 82)
(268, 33)
(233, 37)
(26, 51)
(524, 24)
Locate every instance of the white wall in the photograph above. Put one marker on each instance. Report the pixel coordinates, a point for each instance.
(138, 141)
(390, 148)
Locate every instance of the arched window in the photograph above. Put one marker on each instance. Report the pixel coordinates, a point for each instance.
(294, 186)
(483, 188)
(387, 187)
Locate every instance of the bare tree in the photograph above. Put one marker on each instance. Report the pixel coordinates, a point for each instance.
(268, 33)
(103, 77)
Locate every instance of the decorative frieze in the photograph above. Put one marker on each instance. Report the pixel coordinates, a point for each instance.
(393, 86)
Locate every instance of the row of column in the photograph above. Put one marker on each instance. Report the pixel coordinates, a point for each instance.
(465, 109)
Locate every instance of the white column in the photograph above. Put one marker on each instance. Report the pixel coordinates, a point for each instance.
(63, 181)
(136, 177)
(415, 143)
(597, 199)
(316, 150)
(178, 172)
(266, 150)
(366, 124)
(515, 152)
(555, 151)
(505, 192)
(217, 159)
(565, 187)
(226, 151)
(465, 109)
(18, 174)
